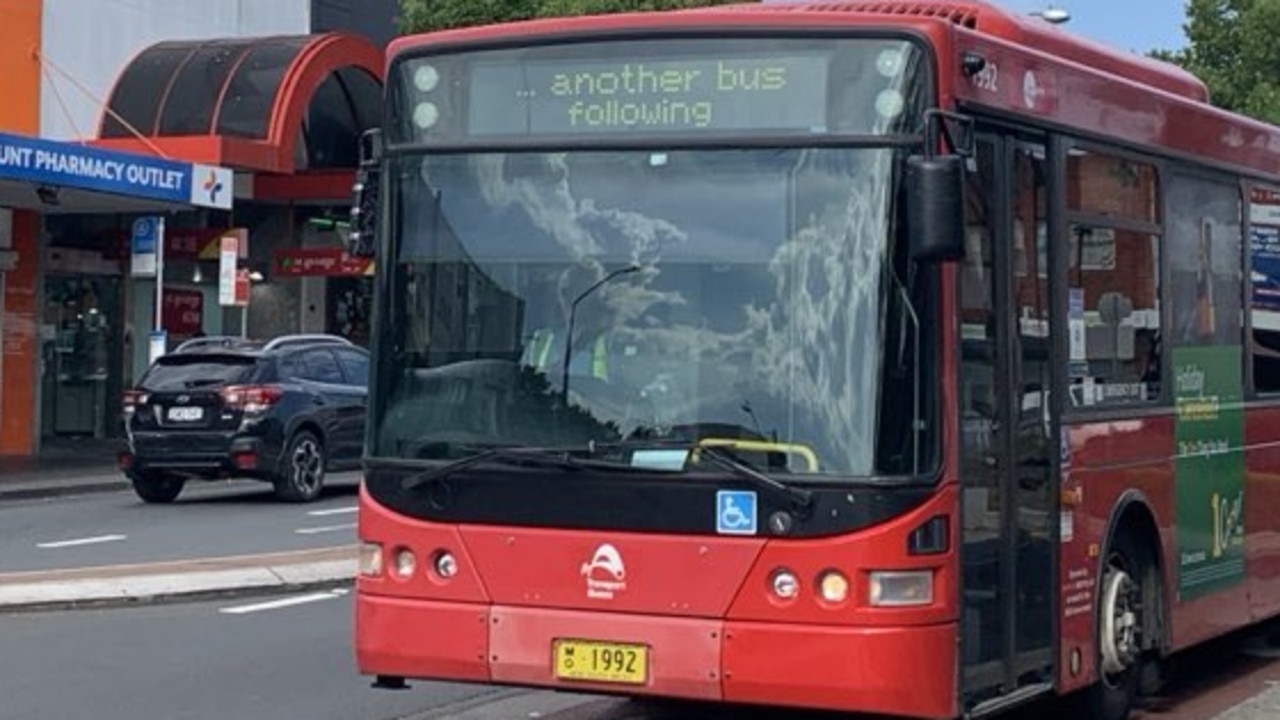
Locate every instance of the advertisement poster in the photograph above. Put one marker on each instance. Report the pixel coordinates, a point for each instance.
(1210, 471)
(183, 314)
(1264, 246)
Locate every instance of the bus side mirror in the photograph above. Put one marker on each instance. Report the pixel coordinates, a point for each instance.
(364, 205)
(935, 207)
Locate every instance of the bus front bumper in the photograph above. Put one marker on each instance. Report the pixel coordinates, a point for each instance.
(907, 671)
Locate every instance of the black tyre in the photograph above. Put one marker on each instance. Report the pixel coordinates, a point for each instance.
(1123, 604)
(157, 488)
(302, 469)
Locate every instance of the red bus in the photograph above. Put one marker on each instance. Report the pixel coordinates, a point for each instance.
(894, 357)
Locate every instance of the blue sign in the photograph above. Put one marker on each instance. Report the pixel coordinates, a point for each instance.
(47, 162)
(736, 512)
(147, 234)
(144, 235)
(1265, 248)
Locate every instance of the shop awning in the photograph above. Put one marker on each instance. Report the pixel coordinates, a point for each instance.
(63, 177)
(291, 104)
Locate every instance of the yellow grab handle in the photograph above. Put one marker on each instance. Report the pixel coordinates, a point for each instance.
(763, 446)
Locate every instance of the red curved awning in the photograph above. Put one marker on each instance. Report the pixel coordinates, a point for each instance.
(283, 105)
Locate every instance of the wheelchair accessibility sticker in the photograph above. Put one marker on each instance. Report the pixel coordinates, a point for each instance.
(736, 512)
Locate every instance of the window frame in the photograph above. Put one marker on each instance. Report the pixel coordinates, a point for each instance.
(1249, 346)
(1162, 402)
(340, 352)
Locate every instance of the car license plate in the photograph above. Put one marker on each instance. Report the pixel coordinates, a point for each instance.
(601, 661)
(185, 414)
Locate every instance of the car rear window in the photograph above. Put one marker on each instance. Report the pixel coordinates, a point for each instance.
(187, 372)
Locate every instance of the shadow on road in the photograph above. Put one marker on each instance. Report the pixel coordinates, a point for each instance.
(248, 492)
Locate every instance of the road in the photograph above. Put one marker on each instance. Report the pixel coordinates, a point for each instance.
(214, 519)
(190, 662)
(290, 657)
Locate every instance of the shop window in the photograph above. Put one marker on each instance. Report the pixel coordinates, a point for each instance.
(1113, 316)
(1264, 295)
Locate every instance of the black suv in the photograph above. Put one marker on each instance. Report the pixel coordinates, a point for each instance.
(285, 411)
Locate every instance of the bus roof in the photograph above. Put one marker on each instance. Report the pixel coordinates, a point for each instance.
(983, 17)
(1047, 74)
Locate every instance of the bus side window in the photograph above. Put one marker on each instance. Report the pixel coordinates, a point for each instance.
(1264, 288)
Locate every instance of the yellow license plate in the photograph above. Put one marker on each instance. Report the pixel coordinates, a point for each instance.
(601, 661)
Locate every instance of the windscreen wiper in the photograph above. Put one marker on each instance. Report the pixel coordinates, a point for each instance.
(799, 498)
(558, 458)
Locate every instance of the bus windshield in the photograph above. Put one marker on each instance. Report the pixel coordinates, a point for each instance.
(694, 294)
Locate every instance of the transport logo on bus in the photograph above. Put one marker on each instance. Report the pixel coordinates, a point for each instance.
(605, 573)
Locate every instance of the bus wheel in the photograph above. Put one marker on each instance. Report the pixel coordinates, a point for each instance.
(1121, 621)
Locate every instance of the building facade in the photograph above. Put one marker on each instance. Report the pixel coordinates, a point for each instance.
(277, 91)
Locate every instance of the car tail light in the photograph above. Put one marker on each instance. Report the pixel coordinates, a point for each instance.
(251, 398)
(245, 459)
(134, 398)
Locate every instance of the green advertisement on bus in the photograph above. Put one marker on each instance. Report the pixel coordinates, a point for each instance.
(1210, 472)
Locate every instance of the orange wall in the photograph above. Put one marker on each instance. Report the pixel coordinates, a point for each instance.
(19, 67)
(20, 113)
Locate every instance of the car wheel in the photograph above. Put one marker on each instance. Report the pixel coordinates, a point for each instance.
(301, 477)
(157, 488)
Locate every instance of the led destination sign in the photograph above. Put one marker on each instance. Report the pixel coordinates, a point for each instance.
(673, 87)
(651, 95)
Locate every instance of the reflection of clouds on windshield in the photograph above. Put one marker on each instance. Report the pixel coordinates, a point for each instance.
(577, 225)
(812, 345)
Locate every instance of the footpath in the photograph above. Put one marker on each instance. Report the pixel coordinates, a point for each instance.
(25, 480)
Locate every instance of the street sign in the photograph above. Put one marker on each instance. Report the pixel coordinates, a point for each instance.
(147, 234)
(228, 263)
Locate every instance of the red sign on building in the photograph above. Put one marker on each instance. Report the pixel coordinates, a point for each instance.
(320, 262)
(183, 311)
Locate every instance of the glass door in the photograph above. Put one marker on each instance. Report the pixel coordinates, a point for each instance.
(82, 357)
(1009, 506)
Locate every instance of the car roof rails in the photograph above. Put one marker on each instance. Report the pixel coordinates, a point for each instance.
(284, 340)
(228, 342)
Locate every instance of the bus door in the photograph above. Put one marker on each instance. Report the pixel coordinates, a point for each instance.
(1009, 504)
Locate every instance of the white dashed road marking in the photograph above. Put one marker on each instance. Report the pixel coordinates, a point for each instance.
(81, 541)
(282, 603)
(325, 529)
(333, 511)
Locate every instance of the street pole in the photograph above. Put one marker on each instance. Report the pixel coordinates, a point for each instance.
(159, 321)
(158, 341)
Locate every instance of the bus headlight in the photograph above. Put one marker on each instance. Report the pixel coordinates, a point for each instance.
(405, 563)
(446, 565)
(370, 559)
(902, 589)
(833, 586)
(785, 584)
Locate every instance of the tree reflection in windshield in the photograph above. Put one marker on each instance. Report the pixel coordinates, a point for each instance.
(756, 310)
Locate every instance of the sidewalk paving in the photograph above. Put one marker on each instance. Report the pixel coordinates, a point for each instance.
(61, 473)
(117, 584)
